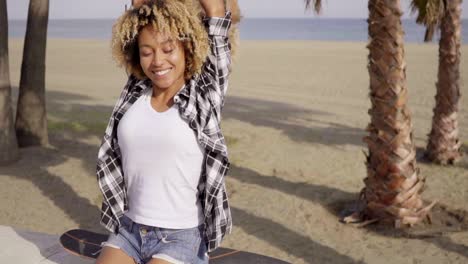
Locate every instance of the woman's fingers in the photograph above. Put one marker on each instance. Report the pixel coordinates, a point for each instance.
(138, 3)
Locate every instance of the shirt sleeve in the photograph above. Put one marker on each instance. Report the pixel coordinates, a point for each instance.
(217, 66)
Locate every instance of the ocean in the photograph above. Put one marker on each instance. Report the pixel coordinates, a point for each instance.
(250, 29)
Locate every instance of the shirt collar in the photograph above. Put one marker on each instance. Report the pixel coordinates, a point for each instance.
(146, 84)
(142, 85)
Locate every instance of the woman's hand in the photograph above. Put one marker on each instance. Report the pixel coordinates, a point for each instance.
(138, 3)
(213, 8)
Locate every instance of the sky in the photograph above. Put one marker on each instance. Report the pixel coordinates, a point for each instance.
(82, 9)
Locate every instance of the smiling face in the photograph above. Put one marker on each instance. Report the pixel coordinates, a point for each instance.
(161, 58)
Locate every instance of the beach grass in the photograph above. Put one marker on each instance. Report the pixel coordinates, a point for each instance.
(75, 126)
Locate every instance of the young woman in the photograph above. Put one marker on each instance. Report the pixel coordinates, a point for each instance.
(163, 159)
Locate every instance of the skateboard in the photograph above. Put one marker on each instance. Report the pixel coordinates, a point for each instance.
(87, 244)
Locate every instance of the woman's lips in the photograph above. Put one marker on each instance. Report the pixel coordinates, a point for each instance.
(161, 73)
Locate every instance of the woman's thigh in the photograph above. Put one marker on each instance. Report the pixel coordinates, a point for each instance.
(158, 261)
(111, 255)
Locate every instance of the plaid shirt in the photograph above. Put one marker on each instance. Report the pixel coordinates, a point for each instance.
(200, 102)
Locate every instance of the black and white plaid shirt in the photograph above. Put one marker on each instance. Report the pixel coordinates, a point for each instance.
(200, 102)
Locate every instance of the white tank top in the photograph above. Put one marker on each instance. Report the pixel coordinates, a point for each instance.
(162, 163)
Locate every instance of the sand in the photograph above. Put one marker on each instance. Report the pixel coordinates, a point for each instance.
(294, 118)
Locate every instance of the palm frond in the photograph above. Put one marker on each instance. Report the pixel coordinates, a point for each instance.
(316, 3)
(430, 13)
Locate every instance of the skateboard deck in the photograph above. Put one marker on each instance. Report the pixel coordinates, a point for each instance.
(87, 244)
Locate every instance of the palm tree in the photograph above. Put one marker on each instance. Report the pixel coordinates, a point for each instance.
(31, 117)
(444, 146)
(393, 184)
(8, 144)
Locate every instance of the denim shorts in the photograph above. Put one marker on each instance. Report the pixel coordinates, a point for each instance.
(142, 243)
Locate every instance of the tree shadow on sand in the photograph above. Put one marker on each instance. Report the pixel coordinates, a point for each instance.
(290, 120)
(286, 239)
(35, 161)
(65, 144)
(444, 219)
(293, 121)
(462, 163)
(278, 235)
(447, 244)
(324, 195)
(262, 113)
(64, 106)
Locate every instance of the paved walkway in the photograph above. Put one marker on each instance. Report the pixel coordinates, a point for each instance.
(25, 247)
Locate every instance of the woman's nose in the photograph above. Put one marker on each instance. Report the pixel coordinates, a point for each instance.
(157, 59)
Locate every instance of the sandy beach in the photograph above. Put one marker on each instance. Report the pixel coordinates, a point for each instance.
(294, 119)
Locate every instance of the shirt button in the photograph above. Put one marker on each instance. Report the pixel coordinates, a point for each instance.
(143, 231)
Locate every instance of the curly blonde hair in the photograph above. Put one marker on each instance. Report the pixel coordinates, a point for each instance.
(179, 19)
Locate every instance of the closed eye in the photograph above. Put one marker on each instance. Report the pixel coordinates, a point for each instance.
(145, 54)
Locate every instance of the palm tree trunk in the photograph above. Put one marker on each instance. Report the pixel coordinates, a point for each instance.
(8, 144)
(393, 184)
(444, 145)
(31, 118)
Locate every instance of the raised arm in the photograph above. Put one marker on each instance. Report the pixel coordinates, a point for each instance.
(138, 3)
(217, 23)
(213, 8)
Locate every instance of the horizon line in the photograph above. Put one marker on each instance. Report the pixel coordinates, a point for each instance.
(311, 18)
